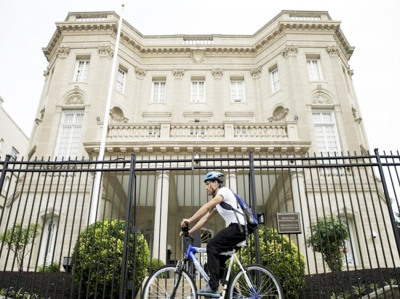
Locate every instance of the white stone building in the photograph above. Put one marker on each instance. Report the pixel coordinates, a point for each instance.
(285, 89)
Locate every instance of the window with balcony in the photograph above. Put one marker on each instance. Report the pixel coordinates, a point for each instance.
(198, 91)
(314, 69)
(120, 84)
(69, 135)
(158, 91)
(275, 81)
(237, 91)
(81, 70)
(326, 132)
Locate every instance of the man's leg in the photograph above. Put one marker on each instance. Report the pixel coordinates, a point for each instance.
(223, 241)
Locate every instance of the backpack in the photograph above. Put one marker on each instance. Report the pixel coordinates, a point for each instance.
(249, 217)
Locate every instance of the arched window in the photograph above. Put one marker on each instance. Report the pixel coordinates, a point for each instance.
(48, 240)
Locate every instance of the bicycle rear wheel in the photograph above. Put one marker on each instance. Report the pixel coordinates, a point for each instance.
(161, 284)
(263, 284)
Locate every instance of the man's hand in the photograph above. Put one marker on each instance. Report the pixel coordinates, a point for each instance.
(185, 223)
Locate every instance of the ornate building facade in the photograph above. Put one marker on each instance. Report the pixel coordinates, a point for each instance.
(284, 90)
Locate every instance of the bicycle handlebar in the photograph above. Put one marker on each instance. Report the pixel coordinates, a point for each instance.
(185, 232)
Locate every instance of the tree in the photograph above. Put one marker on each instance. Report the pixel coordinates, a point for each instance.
(19, 240)
(327, 236)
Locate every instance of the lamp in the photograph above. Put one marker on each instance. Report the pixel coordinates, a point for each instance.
(296, 118)
(197, 158)
(261, 218)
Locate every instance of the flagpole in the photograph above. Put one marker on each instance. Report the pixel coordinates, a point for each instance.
(97, 177)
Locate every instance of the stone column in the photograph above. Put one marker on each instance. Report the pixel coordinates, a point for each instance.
(161, 216)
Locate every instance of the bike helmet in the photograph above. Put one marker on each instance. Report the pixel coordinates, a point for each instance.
(214, 175)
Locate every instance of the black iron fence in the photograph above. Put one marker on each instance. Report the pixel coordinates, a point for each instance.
(329, 225)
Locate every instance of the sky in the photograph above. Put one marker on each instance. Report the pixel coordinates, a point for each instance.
(372, 27)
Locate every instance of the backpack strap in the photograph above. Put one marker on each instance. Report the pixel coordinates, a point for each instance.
(227, 206)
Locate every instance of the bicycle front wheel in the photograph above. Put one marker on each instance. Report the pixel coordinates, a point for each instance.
(163, 282)
(261, 284)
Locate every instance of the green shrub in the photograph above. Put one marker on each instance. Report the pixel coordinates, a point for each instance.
(97, 259)
(327, 236)
(281, 257)
(53, 267)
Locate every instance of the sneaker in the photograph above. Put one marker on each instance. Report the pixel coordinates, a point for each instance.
(208, 292)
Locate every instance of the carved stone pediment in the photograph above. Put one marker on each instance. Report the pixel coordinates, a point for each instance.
(75, 98)
(321, 97)
(198, 56)
(279, 113)
(117, 115)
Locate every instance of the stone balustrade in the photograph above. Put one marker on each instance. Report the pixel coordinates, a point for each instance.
(124, 132)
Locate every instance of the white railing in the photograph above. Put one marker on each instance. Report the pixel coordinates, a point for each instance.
(261, 131)
(203, 131)
(133, 131)
(194, 131)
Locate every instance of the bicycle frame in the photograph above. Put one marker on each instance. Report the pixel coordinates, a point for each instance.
(190, 255)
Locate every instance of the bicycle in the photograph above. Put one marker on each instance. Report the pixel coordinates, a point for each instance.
(176, 282)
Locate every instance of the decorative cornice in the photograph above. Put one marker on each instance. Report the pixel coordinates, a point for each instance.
(256, 73)
(290, 50)
(140, 73)
(333, 50)
(105, 26)
(178, 73)
(106, 51)
(197, 113)
(217, 73)
(62, 52)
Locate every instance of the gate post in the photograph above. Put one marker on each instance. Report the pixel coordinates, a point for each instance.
(253, 197)
(129, 228)
(388, 202)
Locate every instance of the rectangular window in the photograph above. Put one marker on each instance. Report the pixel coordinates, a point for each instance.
(81, 70)
(69, 134)
(158, 92)
(237, 91)
(314, 69)
(275, 82)
(198, 92)
(120, 84)
(326, 132)
(14, 154)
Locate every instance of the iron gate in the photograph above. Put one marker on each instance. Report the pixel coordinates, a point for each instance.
(50, 248)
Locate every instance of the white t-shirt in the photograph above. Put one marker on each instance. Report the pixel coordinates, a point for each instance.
(229, 215)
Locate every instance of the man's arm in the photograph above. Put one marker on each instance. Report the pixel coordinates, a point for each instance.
(203, 212)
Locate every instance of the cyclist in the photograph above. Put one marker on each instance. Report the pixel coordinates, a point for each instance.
(225, 239)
